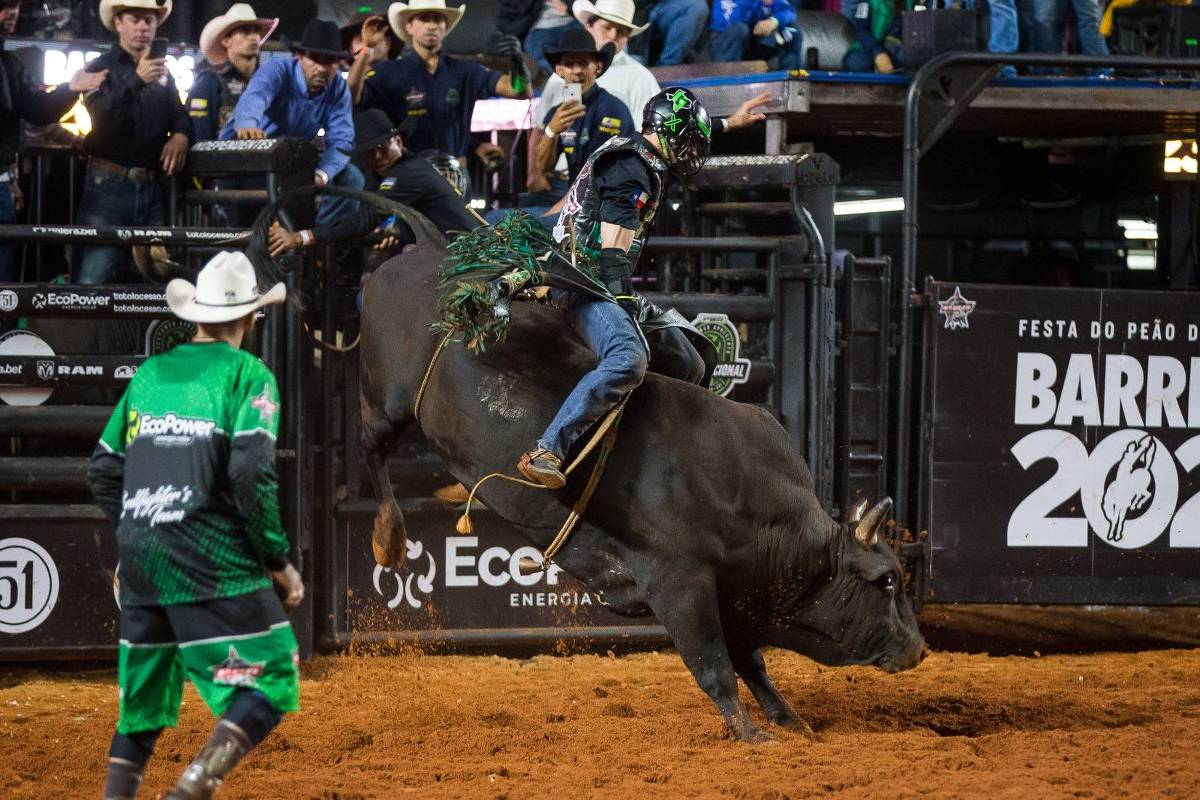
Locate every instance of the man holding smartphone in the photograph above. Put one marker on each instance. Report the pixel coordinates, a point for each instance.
(140, 132)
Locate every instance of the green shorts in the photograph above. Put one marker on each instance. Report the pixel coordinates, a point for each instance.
(223, 646)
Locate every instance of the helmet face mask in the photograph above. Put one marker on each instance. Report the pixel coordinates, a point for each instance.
(683, 127)
(450, 169)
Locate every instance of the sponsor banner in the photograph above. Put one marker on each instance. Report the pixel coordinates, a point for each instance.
(99, 370)
(116, 235)
(77, 300)
(731, 368)
(1064, 461)
(54, 588)
(456, 582)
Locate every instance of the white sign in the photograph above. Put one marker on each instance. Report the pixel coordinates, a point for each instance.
(28, 585)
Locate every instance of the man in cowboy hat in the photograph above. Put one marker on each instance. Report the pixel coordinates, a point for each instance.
(369, 39)
(21, 99)
(609, 22)
(576, 128)
(436, 91)
(140, 131)
(402, 177)
(231, 43)
(298, 97)
(185, 470)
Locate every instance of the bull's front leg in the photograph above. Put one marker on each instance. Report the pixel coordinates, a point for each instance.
(748, 662)
(686, 604)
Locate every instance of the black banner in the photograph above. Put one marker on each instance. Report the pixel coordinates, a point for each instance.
(1064, 445)
(99, 370)
(116, 234)
(455, 582)
(85, 301)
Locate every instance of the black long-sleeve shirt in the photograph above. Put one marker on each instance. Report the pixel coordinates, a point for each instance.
(131, 119)
(21, 99)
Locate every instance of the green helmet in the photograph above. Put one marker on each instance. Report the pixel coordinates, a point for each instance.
(684, 130)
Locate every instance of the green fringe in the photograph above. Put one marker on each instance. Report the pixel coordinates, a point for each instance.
(518, 241)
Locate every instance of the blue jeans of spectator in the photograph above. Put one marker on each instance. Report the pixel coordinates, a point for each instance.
(737, 43)
(1004, 35)
(8, 215)
(1087, 24)
(612, 335)
(538, 39)
(333, 207)
(111, 200)
(679, 23)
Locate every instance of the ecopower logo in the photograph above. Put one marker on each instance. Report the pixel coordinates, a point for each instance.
(1137, 413)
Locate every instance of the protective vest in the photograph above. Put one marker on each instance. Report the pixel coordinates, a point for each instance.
(582, 208)
(232, 86)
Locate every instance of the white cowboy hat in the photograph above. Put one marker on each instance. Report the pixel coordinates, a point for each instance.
(109, 9)
(226, 289)
(399, 13)
(619, 12)
(238, 14)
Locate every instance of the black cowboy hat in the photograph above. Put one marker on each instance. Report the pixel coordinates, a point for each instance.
(373, 128)
(577, 40)
(365, 12)
(321, 38)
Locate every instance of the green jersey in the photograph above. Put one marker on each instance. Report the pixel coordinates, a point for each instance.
(186, 470)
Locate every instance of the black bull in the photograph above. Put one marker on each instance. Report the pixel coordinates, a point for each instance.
(704, 517)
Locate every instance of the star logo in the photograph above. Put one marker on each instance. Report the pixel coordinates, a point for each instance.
(237, 671)
(956, 308)
(264, 404)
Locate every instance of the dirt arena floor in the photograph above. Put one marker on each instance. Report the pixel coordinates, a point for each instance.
(1041, 720)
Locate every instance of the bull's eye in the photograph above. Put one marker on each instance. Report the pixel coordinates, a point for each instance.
(886, 582)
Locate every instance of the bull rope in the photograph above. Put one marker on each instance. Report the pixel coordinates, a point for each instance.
(606, 430)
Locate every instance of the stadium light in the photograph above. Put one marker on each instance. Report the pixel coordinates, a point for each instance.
(1139, 229)
(1179, 157)
(876, 205)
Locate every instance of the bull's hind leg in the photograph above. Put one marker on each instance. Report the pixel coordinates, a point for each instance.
(686, 605)
(748, 662)
(388, 536)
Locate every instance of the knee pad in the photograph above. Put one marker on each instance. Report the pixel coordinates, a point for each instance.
(254, 714)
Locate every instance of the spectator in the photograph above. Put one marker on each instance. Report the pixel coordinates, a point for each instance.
(231, 44)
(576, 129)
(438, 92)
(400, 176)
(877, 33)
(21, 99)
(678, 24)
(751, 29)
(369, 40)
(298, 97)
(538, 23)
(140, 131)
(1003, 34)
(1042, 24)
(609, 22)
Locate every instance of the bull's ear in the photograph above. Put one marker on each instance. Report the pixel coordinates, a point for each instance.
(855, 512)
(867, 531)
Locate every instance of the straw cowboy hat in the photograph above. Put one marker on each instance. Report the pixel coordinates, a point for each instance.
(226, 289)
(619, 12)
(239, 14)
(109, 9)
(400, 13)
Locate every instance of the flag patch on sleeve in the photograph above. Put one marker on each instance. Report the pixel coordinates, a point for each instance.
(386, 184)
(199, 102)
(639, 199)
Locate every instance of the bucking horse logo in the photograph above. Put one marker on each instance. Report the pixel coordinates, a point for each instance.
(1130, 487)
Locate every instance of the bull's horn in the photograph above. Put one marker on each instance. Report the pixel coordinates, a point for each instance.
(868, 529)
(855, 512)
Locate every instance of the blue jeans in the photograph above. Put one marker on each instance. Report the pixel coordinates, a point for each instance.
(1087, 24)
(737, 43)
(679, 23)
(609, 331)
(537, 40)
(333, 207)
(1004, 35)
(8, 215)
(109, 200)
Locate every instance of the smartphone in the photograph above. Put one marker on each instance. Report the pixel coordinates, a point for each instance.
(158, 48)
(573, 91)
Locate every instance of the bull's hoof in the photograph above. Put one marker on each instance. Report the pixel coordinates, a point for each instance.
(745, 729)
(797, 725)
(388, 539)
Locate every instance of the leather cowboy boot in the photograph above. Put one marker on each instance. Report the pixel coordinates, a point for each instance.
(544, 467)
